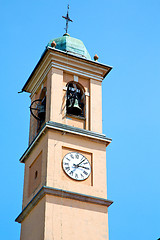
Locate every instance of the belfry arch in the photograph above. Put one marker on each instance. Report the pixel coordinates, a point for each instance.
(75, 99)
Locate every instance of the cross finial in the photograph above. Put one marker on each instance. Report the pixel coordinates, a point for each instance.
(67, 19)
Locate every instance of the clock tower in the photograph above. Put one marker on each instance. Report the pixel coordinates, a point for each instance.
(65, 193)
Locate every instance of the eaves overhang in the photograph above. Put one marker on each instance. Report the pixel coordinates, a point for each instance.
(106, 68)
(45, 190)
(65, 129)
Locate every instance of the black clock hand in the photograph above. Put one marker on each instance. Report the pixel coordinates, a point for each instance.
(84, 167)
(80, 162)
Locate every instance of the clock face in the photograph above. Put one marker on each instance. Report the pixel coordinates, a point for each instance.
(76, 166)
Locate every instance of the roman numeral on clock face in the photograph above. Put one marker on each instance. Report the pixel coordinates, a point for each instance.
(83, 158)
(67, 168)
(66, 163)
(82, 176)
(85, 172)
(77, 156)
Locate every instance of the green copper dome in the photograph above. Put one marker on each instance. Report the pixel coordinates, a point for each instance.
(71, 45)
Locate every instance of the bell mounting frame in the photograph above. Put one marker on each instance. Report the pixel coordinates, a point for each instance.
(35, 108)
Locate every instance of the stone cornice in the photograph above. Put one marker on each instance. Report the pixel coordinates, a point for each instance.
(65, 129)
(60, 193)
(65, 61)
(79, 131)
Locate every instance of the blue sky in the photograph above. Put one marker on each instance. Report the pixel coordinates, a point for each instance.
(124, 34)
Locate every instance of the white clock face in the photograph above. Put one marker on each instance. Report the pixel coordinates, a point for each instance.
(76, 166)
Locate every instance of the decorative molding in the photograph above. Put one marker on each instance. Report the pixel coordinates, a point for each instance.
(63, 194)
(77, 59)
(36, 75)
(99, 71)
(71, 69)
(38, 81)
(68, 129)
(79, 131)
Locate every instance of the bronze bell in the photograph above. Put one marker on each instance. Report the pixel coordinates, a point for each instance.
(74, 108)
(41, 111)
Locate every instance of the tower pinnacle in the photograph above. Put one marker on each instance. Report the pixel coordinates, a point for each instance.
(67, 19)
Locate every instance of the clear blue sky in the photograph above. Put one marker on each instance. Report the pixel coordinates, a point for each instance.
(124, 34)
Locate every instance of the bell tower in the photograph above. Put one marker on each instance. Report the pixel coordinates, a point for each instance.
(65, 192)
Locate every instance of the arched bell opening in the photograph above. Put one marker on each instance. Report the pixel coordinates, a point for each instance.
(38, 109)
(42, 108)
(75, 103)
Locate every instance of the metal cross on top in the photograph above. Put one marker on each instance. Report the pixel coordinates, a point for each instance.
(67, 19)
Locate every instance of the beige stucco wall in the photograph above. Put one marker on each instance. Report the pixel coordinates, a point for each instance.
(56, 95)
(32, 227)
(55, 218)
(70, 219)
(41, 147)
(35, 171)
(55, 174)
(96, 106)
(52, 145)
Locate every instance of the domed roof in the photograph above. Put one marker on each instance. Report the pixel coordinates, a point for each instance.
(71, 45)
